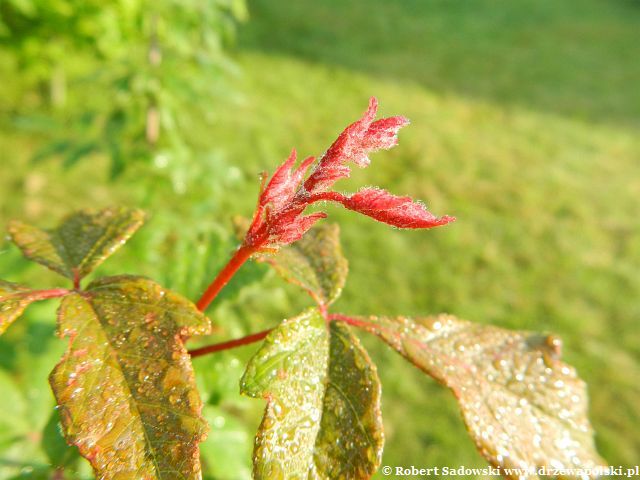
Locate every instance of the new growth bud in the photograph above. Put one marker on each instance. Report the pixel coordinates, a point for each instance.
(279, 218)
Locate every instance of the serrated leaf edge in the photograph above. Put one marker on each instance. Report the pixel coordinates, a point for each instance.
(254, 390)
(63, 266)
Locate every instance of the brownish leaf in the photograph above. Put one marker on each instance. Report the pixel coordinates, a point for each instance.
(523, 407)
(125, 387)
(83, 240)
(15, 298)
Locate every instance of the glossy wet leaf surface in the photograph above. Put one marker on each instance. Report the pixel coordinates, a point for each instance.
(322, 419)
(315, 263)
(14, 298)
(81, 242)
(350, 441)
(125, 386)
(522, 406)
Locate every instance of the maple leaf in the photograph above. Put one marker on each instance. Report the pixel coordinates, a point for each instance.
(15, 298)
(354, 144)
(132, 413)
(322, 418)
(125, 387)
(401, 212)
(523, 407)
(81, 242)
(315, 263)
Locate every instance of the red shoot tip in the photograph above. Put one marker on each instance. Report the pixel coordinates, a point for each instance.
(280, 219)
(401, 212)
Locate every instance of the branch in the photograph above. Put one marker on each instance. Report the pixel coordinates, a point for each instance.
(338, 317)
(45, 294)
(238, 259)
(238, 342)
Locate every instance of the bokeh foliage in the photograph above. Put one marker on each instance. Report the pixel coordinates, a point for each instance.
(161, 65)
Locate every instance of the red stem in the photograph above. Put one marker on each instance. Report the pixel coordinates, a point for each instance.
(45, 294)
(256, 337)
(351, 321)
(327, 196)
(241, 256)
(238, 342)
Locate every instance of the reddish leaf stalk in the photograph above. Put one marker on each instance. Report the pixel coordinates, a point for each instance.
(256, 337)
(338, 317)
(368, 327)
(45, 294)
(238, 342)
(238, 259)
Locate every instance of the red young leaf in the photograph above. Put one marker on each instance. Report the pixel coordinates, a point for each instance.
(289, 232)
(280, 182)
(285, 181)
(279, 219)
(402, 212)
(355, 143)
(383, 133)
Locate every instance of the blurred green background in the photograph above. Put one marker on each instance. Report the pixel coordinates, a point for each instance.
(525, 125)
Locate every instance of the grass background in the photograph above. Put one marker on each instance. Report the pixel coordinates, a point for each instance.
(525, 125)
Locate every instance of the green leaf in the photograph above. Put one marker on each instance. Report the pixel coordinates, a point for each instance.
(59, 454)
(125, 387)
(322, 418)
(81, 242)
(523, 407)
(315, 263)
(350, 441)
(14, 299)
